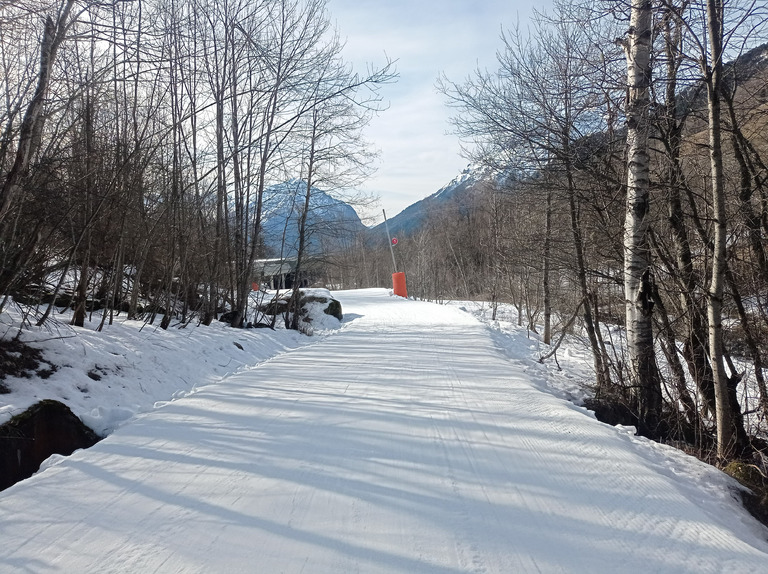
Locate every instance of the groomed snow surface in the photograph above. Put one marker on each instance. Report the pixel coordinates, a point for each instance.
(415, 439)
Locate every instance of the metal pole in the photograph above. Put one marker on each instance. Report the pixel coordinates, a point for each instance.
(389, 238)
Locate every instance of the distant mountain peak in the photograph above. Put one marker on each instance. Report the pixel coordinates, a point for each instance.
(330, 221)
(413, 216)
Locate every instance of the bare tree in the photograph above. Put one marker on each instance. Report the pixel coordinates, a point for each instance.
(341, 104)
(54, 34)
(533, 114)
(638, 276)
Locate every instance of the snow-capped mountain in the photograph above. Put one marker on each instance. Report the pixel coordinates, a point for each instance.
(330, 221)
(413, 216)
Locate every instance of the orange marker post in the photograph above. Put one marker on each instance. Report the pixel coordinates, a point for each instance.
(398, 285)
(398, 278)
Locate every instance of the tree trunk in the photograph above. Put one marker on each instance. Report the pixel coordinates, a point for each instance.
(601, 369)
(683, 396)
(695, 347)
(547, 337)
(638, 278)
(31, 125)
(727, 436)
(296, 297)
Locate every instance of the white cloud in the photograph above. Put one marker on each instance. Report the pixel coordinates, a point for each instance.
(426, 37)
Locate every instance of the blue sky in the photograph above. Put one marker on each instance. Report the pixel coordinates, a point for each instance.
(426, 37)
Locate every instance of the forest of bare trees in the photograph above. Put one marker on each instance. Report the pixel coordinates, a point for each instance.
(625, 197)
(626, 143)
(138, 140)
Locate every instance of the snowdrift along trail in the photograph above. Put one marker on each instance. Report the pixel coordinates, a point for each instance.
(405, 442)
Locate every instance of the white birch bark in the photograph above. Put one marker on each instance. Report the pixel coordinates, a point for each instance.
(726, 432)
(637, 272)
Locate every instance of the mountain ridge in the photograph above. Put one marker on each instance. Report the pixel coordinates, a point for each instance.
(330, 221)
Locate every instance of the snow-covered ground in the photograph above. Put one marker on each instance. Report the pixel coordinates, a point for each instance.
(412, 439)
(106, 377)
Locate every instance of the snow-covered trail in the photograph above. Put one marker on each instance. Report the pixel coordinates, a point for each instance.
(406, 442)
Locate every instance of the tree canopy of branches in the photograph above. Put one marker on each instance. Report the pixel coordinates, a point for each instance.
(635, 131)
(138, 140)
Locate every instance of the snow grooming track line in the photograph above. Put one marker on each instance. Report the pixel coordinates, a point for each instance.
(406, 442)
(467, 550)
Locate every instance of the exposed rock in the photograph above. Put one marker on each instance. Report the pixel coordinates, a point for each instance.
(276, 306)
(334, 309)
(45, 428)
(321, 297)
(227, 317)
(612, 412)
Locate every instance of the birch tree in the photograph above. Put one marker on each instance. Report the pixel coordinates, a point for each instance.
(638, 276)
(712, 69)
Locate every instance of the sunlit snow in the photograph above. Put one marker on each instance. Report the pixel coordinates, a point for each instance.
(413, 439)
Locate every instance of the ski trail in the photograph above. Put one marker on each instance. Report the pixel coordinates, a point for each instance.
(406, 442)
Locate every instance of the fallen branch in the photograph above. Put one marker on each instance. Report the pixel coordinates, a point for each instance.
(562, 334)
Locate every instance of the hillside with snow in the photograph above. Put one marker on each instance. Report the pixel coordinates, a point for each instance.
(414, 438)
(458, 190)
(415, 215)
(331, 222)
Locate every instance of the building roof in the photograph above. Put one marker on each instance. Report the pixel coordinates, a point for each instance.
(270, 267)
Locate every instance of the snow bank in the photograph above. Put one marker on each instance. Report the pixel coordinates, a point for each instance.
(129, 367)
